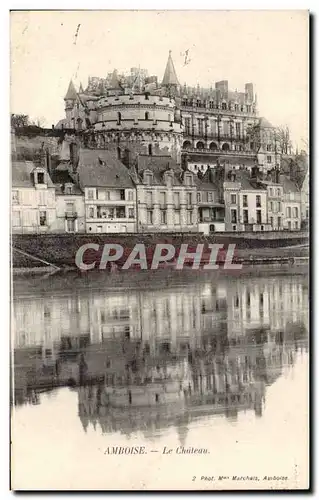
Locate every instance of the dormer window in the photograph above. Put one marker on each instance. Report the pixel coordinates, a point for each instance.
(148, 177)
(68, 189)
(169, 178)
(40, 177)
(188, 180)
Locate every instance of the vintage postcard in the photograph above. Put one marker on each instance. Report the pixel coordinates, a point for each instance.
(160, 250)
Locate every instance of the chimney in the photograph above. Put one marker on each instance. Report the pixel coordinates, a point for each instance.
(222, 86)
(249, 91)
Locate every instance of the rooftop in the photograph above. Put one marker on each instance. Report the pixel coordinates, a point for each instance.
(21, 174)
(101, 168)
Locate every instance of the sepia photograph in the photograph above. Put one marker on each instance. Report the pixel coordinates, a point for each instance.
(159, 244)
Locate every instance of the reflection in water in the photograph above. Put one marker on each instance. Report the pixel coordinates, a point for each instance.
(147, 359)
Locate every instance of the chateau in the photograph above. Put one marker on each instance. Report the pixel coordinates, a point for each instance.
(136, 154)
(138, 112)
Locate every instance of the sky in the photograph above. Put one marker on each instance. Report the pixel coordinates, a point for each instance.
(267, 48)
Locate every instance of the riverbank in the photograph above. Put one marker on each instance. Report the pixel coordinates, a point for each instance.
(50, 252)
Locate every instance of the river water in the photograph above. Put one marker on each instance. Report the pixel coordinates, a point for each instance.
(209, 366)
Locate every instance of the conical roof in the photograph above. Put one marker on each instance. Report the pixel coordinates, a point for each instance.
(114, 83)
(170, 77)
(71, 93)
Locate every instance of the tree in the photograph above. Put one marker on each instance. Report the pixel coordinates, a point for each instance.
(283, 141)
(19, 120)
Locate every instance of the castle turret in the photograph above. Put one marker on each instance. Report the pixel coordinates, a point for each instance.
(170, 80)
(69, 99)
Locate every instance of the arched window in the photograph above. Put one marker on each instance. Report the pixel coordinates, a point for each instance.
(224, 105)
(200, 145)
(225, 147)
(146, 115)
(187, 145)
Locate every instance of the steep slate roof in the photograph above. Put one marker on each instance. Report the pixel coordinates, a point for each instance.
(247, 182)
(21, 174)
(288, 185)
(114, 83)
(170, 77)
(71, 93)
(112, 173)
(158, 165)
(62, 176)
(264, 123)
(204, 183)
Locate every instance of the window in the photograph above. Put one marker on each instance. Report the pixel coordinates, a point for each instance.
(189, 198)
(279, 221)
(149, 217)
(122, 194)
(189, 217)
(146, 115)
(258, 200)
(131, 213)
(198, 197)
(210, 196)
(224, 106)
(176, 199)
(268, 147)
(234, 228)
(279, 206)
(70, 225)
(288, 212)
(91, 193)
(16, 219)
(258, 213)
(236, 107)
(238, 129)
(150, 150)
(149, 198)
(163, 217)
(233, 199)
(296, 225)
(271, 206)
(195, 167)
(289, 224)
(120, 212)
(233, 215)
(91, 213)
(68, 189)
(295, 211)
(177, 217)
(43, 218)
(245, 200)
(271, 221)
(268, 159)
(130, 196)
(271, 192)
(40, 178)
(162, 196)
(187, 126)
(278, 192)
(119, 118)
(245, 212)
(200, 126)
(70, 208)
(15, 196)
